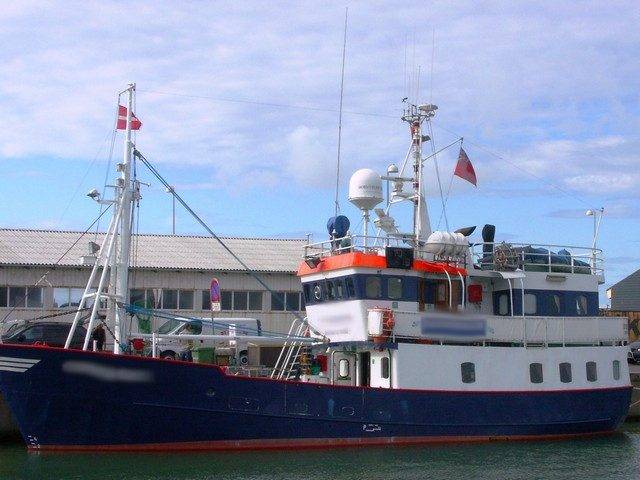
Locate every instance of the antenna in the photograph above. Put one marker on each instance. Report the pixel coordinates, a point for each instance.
(344, 51)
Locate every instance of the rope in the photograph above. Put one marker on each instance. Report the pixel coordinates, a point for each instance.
(251, 272)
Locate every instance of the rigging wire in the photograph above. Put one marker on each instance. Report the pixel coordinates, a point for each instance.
(42, 278)
(186, 206)
(435, 162)
(344, 52)
(114, 131)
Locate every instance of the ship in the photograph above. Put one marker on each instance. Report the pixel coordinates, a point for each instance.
(409, 338)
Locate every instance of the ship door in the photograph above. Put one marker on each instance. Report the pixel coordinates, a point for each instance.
(380, 369)
(422, 294)
(344, 368)
(365, 369)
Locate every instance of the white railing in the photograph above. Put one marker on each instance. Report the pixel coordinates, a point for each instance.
(537, 257)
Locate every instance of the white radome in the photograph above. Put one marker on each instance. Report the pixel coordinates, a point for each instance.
(365, 189)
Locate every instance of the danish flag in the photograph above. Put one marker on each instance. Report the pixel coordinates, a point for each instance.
(122, 119)
(464, 169)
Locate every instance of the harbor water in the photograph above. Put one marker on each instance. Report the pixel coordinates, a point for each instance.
(613, 457)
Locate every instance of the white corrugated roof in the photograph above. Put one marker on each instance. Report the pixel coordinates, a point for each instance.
(45, 247)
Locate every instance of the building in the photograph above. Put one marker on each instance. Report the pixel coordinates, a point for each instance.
(43, 272)
(625, 295)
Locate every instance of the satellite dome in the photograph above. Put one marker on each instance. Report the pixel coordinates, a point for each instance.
(365, 189)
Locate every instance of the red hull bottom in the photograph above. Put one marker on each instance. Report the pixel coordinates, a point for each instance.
(304, 443)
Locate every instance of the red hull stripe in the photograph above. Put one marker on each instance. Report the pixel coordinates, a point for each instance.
(359, 259)
(306, 443)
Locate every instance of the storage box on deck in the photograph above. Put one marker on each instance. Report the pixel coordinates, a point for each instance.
(203, 355)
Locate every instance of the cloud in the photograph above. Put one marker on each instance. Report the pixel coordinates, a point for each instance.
(614, 210)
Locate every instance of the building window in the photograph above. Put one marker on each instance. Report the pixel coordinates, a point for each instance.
(17, 296)
(225, 300)
(535, 372)
(255, 301)
(277, 299)
(581, 305)
(592, 372)
(503, 304)
(206, 300)
(554, 304)
(293, 301)
(616, 369)
(394, 288)
(169, 299)
(137, 297)
(4, 291)
(185, 300)
(64, 297)
(239, 300)
(468, 372)
(530, 304)
(373, 287)
(384, 367)
(565, 372)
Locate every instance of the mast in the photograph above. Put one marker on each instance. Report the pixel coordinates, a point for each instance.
(126, 201)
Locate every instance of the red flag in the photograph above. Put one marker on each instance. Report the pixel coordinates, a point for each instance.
(122, 119)
(464, 169)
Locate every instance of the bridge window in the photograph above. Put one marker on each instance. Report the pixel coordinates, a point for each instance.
(581, 305)
(535, 372)
(351, 287)
(394, 288)
(554, 304)
(565, 372)
(468, 372)
(530, 304)
(331, 290)
(317, 291)
(616, 369)
(373, 287)
(384, 367)
(592, 371)
(340, 288)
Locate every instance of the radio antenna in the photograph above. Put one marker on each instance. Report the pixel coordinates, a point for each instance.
(344, 51)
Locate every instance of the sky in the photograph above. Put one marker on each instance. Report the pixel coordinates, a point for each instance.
(239, 104)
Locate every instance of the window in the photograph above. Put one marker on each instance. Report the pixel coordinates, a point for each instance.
(340, 288)
(75, 296)
(206, 300)
(293, 301)
(331, 290)
(277, 299)
(565, 372)
(60, 297)
(343, 369)
(239, 300)
(3, 296)
(317, 292)
(255, 301)
(137, 297)
(616, 369)
(306, 288)
(225, 300)
(351, 287)
(530, 304)
(384, 367)
(373, 287)
(394, 288)
(503, 304)
(581, 305)
(33, 334)
(468, 372)
(17, 296)
(592, 372)
(535, 372)
(169, 299)
(186, 300)
(554, 304)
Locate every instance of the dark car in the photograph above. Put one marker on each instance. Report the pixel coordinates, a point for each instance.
(634, 353)
(45, 333)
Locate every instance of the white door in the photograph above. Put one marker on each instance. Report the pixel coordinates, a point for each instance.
(380, 370)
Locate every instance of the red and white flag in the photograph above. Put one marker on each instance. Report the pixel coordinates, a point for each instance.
(122, 119)
(464, 169)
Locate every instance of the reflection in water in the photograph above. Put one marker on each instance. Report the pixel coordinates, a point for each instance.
(611, 457)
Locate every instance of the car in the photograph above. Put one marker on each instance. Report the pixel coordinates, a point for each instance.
(46, 333)
(633, 356)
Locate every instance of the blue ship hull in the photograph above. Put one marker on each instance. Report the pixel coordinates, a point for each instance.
(65, 399)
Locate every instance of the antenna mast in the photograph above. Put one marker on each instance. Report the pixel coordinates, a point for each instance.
(344, 50)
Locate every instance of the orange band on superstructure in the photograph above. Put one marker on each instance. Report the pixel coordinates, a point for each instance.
(366, 260)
